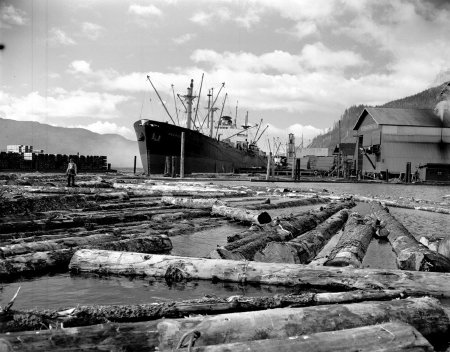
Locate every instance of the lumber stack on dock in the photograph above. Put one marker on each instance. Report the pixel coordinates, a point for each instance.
(270, 236)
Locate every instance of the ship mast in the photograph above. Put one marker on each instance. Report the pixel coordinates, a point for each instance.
(189, 98)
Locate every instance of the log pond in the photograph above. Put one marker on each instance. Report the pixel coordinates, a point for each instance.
(40, 218)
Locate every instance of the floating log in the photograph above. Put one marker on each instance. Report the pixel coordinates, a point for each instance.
(411, 254)
(68, 242)
(195, 203)
(149, 244)
(58, 259)
(177, 268)
(387, 337)
(35, 263)
(242, 214)
(353, 244)
(283, 230)
(142, 336)
(424, 313)
(304, 248)
(34, 319)
(289, 203)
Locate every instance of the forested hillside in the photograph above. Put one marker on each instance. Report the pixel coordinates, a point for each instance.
(424, 100)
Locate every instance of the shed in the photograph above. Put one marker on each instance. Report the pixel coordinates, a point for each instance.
(389, 138)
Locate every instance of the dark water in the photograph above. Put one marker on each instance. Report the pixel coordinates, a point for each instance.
(68, 291)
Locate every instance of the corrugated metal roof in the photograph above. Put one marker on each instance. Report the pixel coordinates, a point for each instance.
(403, 117)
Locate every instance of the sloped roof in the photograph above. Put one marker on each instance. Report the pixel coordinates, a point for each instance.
(402, 117)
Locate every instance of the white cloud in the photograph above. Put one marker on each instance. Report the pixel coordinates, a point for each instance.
(318, 56)
(59, 37)
(92, 30)
(10, 16)
(80, 66)
(304, 28)
(202, 18)
(182, 39)
(313, 56)
(105, 127)
(308, 132)
(244, 17)
(61, 104)
(145, 11)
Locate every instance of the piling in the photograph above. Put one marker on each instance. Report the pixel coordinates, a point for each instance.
(134, 167)
(183, 139)
(269, 163)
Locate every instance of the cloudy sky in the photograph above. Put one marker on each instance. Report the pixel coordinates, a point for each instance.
(297, 64)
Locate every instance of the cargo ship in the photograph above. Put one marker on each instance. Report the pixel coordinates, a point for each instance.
(227, 148)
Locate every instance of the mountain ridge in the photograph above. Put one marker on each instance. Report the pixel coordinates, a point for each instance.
(65, 140)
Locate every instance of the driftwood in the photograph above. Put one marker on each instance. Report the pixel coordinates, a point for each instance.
(303, 248)
(196, 203)
(283, 230)
(387, 337)
(184, 268)
(241, 214)
(35, 319)
(353, 244)
(425, 314)
(411, 254)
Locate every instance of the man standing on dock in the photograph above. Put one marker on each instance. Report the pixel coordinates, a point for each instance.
(71, 173)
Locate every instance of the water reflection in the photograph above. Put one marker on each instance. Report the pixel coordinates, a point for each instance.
(66, 290)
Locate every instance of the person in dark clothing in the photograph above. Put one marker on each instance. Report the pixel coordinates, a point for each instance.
(71, 173)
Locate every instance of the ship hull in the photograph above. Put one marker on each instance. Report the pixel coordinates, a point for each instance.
(159, 140)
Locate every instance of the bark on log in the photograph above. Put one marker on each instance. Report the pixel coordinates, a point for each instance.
(195, 203)
(424, 313)
(304, 248)
(35, 263)
(284, 230)
(68, 242)
(57, 260)
(151, 244)
(242, 214)
(79, 220)
(35, 319)
(388, 337)
(353, 244)
(141, 336)
(184, 268)
(411, 254)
